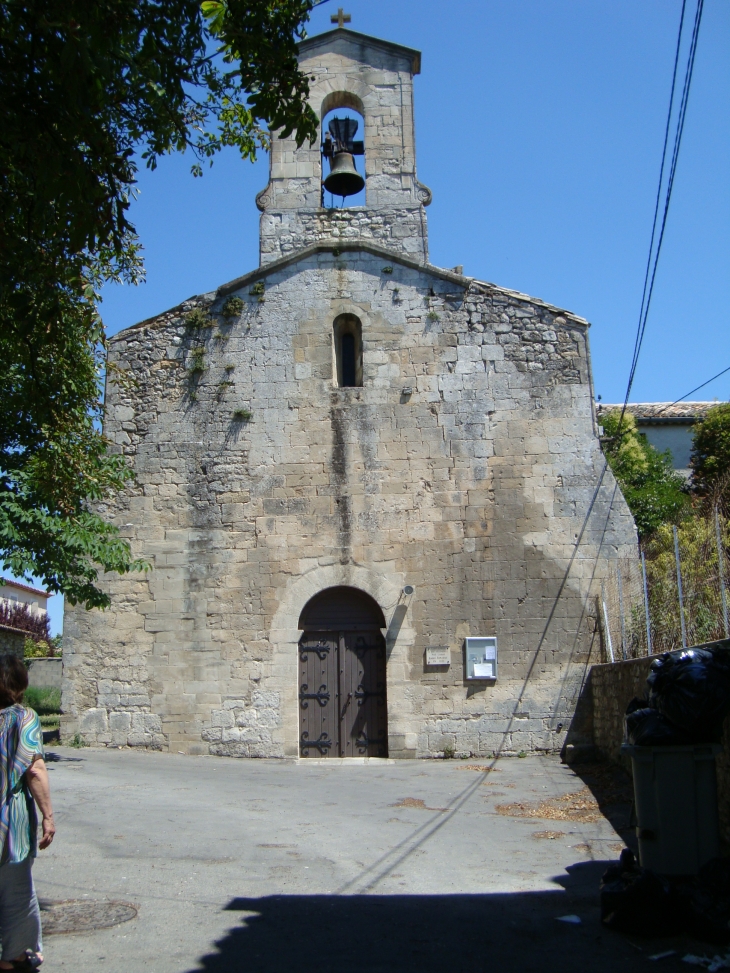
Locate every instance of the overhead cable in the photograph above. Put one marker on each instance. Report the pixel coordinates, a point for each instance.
(654, 251)
(687, 395)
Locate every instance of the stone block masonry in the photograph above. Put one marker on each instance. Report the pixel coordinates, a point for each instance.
(474, 488)
(462, 462)
(12, 641)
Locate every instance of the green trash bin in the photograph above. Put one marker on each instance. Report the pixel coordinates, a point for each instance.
(675, 797)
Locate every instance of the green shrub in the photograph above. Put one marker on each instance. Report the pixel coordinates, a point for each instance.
(710, 460)
(242, 415)
(232, 307)
(35, 650)
(45, 700)
(655, 493)
(197, 319)
(196, 361)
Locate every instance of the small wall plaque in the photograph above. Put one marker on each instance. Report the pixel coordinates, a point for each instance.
(481, 658)
(438, 655)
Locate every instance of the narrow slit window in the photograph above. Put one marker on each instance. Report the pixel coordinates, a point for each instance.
(348, 351)
(348, 359)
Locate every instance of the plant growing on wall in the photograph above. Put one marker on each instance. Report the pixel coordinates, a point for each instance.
(197, 319)
(196, 361)
(232, 307)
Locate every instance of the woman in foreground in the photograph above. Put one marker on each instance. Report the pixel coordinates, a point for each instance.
(23, 784)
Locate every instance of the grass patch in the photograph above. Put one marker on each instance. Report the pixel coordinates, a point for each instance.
(45, 700)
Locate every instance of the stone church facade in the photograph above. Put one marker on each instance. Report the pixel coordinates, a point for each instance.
(322, 546)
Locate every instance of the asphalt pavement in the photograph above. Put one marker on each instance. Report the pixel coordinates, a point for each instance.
(272, 866)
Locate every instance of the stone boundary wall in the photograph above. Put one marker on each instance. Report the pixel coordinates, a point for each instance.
(612, 686)
(45, 672)
(12, 641)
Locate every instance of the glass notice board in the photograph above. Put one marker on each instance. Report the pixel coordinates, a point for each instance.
(481, 658)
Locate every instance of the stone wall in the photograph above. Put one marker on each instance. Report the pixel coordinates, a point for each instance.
(45, 672)
(12, 641)
(259, 483)
(400, 230)
(612, 686)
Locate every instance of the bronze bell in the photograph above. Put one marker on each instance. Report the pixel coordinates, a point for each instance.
(344, 179)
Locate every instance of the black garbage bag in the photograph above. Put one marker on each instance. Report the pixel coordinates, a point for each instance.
(715, 877)
(703, 916)
(704, 902)
(636, 900)
(648, 728)
(691, 689)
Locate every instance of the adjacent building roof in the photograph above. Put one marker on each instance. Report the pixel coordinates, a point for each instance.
(661, 412)
(24, 587)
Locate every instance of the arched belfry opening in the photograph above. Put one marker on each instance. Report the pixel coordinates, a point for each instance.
(347, 339)
(343, 709)
(343, 151)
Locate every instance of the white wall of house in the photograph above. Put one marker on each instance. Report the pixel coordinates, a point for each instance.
(13, 593)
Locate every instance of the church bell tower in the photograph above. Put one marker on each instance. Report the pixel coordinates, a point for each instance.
(374, 78)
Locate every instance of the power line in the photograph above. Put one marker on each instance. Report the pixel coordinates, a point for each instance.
(653, 259)
(687, 395)
(637, 343)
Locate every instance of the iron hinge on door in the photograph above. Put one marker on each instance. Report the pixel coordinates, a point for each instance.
(322, 697)
(323, 744)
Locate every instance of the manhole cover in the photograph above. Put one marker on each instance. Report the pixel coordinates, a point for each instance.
(78, 915)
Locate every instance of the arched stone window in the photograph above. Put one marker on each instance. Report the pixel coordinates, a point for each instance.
(347, 336)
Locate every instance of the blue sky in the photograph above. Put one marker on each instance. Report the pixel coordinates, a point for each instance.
(539, 128)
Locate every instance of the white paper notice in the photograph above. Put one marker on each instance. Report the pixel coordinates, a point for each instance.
(483, 670)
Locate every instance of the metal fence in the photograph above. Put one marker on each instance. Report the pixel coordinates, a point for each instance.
(675, 594)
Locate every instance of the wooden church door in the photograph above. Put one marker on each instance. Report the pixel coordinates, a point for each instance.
(343, 708)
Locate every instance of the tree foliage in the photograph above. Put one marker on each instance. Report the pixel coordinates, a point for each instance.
(710, 459)
(87, 90)
(655, 493)
(20, 617)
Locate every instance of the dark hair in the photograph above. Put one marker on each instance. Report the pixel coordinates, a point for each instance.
(13, 680)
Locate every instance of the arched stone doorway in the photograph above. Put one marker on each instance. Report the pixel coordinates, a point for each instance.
(343, 708)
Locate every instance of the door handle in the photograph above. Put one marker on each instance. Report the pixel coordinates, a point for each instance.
(347, 703)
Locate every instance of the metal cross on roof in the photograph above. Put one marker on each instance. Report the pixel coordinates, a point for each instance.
(340, 18)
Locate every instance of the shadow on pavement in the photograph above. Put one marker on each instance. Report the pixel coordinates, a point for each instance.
(613, 790)
(430, 933)
(53, 758)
